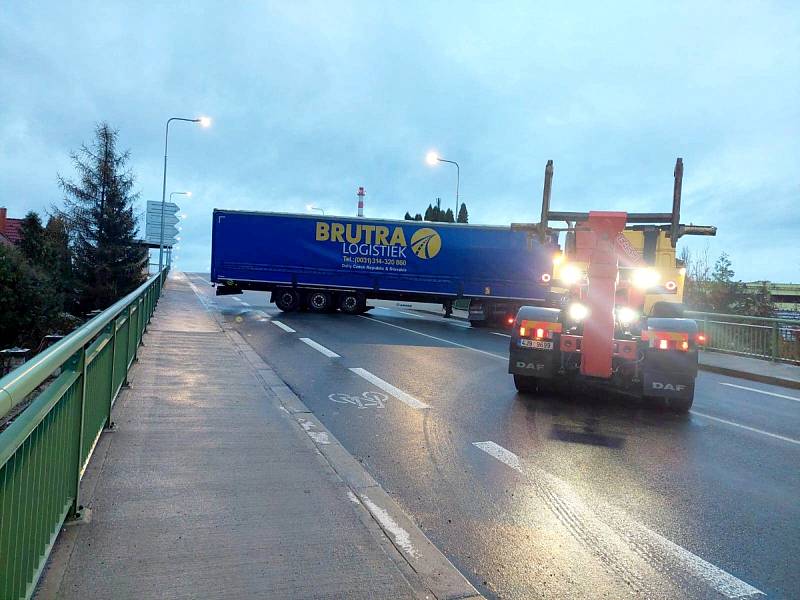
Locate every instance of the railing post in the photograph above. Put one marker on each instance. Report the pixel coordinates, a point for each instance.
(113, 342)
(127, 345)
(80, 364)
(775, 341)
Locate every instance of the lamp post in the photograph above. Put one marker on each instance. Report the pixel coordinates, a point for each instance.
(204, 122)
(309, 208)
(432, 158)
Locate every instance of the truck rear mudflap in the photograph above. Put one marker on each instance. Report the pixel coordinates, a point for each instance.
(534, 347)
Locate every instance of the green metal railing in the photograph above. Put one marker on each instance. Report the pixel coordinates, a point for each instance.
(45, 449)
(758, 337)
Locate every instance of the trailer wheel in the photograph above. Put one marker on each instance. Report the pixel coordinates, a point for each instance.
(320, 301)
(526, 384)
(476, 323)
(287, 300)
(351, 303)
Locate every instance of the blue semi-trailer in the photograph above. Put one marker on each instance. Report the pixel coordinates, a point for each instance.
(324, 263)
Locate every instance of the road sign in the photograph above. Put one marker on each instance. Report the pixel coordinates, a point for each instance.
(155, 219)
(169, 207)
(155, 230)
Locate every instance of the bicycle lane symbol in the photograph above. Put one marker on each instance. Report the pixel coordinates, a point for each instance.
(365, 400)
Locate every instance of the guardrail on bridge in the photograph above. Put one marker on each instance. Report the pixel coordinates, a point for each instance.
(758, 337)
(45, 449)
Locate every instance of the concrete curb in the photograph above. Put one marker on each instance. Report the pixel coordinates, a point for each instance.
(435, 572)
(758, 377)
(414, 553)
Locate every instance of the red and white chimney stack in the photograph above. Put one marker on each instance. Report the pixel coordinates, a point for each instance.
(361, 194)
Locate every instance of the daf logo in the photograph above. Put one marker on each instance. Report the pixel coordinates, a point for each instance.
(524, 365)
(668, 386)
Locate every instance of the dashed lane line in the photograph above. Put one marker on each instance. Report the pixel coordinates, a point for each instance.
(616, 538)
(320, 348)
(389, 388)
(498, 333)
(747, 428)
(750, 389)
(433, 337)
(284, 326)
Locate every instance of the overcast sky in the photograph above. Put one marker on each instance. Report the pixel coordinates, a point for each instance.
(311, 100)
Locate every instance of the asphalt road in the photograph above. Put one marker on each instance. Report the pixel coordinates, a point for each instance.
(553, 497)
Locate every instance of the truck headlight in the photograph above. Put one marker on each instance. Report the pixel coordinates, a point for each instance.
(645, 278)
(570, 274)
(626, 315)
(577, 311)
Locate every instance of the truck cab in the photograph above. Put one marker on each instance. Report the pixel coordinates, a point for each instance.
(618, 322)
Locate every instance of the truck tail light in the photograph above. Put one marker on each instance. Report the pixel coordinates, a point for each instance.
(546, 277)
(539, 330)
(667, 340)
(510, 320)
(701, 339)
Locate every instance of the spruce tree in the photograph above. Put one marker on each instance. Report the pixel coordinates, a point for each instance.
(447, 217)
(418, 217)
(32, 239)
(428, 213)
(408, 217)
(108, 261)
(463, 215)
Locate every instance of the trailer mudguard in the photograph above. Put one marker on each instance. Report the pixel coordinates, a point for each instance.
(670, 373)
(529, 361)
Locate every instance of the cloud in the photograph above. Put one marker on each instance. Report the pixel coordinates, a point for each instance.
(312, 99)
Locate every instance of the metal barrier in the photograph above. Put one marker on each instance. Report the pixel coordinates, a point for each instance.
(45, 449)
(759, 337)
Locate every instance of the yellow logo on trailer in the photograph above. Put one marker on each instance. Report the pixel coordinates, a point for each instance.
(426, 243)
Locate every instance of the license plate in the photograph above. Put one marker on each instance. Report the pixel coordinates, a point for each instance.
(536, 344)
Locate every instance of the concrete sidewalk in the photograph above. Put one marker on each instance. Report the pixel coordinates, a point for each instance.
(209, 487)
(754, 369)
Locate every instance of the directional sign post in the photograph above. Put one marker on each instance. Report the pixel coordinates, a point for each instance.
(153, 229)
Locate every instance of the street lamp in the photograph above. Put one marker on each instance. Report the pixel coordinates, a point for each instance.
(432, 158)
(309, 208)
(204, 122)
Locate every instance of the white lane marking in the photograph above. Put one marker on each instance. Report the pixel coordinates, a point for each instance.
(717, 578)
(622, 529)
(400, 535)
(245, 303)
(498, 333)
(238, 299)
(433, 337)
(749, 389)
(352, 497)
(500, 453)
(284, 326)
(753, 429)
(389, 388)
(320, 348)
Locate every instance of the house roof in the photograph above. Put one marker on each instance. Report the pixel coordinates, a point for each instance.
(12, 230)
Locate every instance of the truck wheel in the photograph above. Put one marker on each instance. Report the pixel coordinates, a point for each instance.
(320, 301)
(525, 383)
(475, 323)
(351, 304)
(287, 300)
